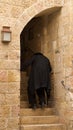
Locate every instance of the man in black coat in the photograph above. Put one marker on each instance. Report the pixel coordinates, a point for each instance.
(39, 79)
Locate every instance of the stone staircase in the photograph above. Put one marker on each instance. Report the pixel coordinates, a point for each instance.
(39, 119)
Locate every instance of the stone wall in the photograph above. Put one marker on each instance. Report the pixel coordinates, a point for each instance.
(10, 11)
(54, 36)
(59, 42)
(57, 45)
(9, 70)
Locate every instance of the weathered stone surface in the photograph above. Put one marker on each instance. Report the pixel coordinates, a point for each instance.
(13, 87)
(69, 82)
(13, 123)
(3, 76)
(2, 99)
(3, 88)
(13, 76)
(12, 99)
(53, 36)
(15, 111)
(16, 11)
(3, 55)
(4, 111)
(3, 123)
(9, 64)
(14, 55)
(26, 4)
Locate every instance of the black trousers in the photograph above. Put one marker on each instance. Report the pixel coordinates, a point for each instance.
(41, 96)
(31, 96)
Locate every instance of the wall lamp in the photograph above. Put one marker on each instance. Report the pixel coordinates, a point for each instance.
(6, 34)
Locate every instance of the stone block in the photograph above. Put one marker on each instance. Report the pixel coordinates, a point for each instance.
(64, 41)
(69, 82)
(15, 111)
(13, 76)
(14, 45)
(14, 55)
(60, 2)
(67, 57)
(3, 76)
(3, 55)
(12, 99)
(9, 64)
(17, 14)
(58, 62)
(68, 71)
(4, 11)
(3, 123)
(4, 111)
(2, 99)
(3, 88)
(13, 123)
(13, 87)
(16, 11)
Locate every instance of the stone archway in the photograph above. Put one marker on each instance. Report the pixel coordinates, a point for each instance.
(40, 7)
(33, 12)
(37, 9)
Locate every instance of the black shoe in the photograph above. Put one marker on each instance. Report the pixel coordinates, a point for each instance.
(34, 106)
(42, 105)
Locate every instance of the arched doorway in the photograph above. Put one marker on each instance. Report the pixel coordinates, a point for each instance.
(52, 49)
(50, 13)
(37, 36)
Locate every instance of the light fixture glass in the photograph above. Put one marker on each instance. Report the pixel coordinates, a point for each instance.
(6, 34)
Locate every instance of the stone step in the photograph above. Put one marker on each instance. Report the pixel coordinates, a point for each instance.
(37, 112)
(52, 119)
(43, 127)
(24, 103)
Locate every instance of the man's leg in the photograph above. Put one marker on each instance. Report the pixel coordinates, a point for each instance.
(31, 98)
(47, 94)
(41, 96)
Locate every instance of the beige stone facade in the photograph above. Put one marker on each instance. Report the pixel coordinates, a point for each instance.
(51, 22)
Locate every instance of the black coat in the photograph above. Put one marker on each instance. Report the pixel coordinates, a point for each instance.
(40, 69)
